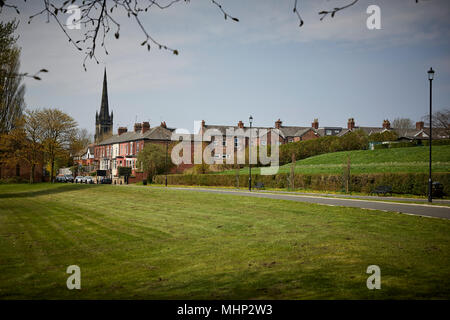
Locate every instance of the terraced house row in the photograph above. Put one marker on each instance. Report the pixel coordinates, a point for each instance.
(111, 151)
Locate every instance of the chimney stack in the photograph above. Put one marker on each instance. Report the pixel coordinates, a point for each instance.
(121, 130)
(137, 127)
(145, 126)
(386, 124)
(315, 124)
(351, 124)
(240, 124)
(420, 125)
(278, 124)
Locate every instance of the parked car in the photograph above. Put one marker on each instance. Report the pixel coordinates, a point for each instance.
(69, 178)
(105, 181)
(60, 179)
(79, 179)
(88, 180)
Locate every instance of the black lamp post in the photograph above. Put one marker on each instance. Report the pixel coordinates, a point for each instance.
(250, 119)
(430, 183)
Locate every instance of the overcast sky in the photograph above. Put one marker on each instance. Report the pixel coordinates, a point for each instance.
(264, 65)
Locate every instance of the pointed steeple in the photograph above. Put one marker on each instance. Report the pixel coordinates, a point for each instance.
(104, 109)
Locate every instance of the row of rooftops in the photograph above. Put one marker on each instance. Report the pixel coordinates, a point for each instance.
(143, 131)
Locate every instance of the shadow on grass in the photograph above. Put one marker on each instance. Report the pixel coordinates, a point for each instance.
(47, 191)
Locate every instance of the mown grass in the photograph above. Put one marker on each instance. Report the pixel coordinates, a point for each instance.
(145, 243)
(414, 159)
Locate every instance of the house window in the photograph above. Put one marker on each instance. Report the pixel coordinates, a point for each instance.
(224, 142)
(137, 147)
(328, 132)
(263, 143)
(290, 139)
(236, 142)
(217, 156)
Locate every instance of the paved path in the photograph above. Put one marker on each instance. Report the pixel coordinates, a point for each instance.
(407, 208)
(374, 197)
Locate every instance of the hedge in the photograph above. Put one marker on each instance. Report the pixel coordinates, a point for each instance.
(439, 142)
(402, 183)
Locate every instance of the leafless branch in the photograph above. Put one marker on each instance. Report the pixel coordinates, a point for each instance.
(324, 13)
(96, 17)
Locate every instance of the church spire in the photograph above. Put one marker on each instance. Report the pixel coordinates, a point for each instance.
(104, 109)
(103, 120)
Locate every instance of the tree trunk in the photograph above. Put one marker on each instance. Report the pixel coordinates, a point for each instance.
(52, 168)
(32, 173)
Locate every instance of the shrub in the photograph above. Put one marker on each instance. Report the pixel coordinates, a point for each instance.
(14, 180)
(440, 142)
(402, 183)
(405, 144)
(381, 146)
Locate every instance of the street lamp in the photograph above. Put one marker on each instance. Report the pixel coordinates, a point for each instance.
(430, 183)
(250, 119)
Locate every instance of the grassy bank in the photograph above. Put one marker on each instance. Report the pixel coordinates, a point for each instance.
(408, 160)
(141, 242)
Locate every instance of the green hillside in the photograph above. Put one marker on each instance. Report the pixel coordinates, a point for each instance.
(371, 161)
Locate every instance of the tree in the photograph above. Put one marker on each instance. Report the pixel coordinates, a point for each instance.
(402, 125)
(99, 18)
(152, 159)
(12, 90)
(23, 143)
(441, 120)
(59, 130)
(383, 136)
(80, 141)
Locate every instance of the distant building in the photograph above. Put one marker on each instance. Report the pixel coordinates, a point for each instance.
(103, 120)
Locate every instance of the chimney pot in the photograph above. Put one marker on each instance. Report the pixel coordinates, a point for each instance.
(137, 127)
(278, 124)
(351, 124)
(121, 130)
(420, 125)
(315, 124)
(145, 126)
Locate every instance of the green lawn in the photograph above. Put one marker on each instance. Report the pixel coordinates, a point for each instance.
(414, 159)
(139, 242)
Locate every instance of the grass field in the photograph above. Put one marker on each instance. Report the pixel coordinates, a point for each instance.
(414, 159)
(138, 242)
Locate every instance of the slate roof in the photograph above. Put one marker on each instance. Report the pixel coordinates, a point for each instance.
(155, 133)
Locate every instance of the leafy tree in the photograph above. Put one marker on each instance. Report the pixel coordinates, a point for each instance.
(59, 130)
(152, 159)
(12, 90)
(23, 143)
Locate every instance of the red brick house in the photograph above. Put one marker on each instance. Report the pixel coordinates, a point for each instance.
(21, 170)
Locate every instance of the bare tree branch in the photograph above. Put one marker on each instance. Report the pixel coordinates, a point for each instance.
(96, 17)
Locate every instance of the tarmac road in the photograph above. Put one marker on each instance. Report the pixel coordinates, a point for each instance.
(424, 210)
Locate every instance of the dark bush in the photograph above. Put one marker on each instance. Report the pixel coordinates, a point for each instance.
(402, 183)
